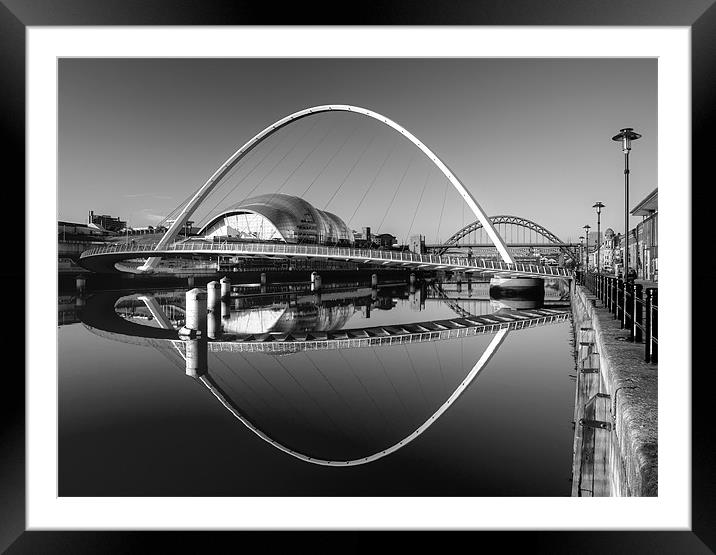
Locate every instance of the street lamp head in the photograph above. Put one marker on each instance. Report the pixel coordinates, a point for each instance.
(626, 136)
(598, 206)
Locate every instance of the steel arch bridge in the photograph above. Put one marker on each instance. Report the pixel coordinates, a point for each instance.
(203, 192)
(508, 220)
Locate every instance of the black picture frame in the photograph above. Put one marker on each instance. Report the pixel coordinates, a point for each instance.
(16, 15)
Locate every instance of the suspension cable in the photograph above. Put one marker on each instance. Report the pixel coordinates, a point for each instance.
(328, 163)
(440, 221)
(397, 394)
(279, 161)
(372, 183)
(264, 157)
(396, 191)
(427, 178)
(298, 382)
(325, 206)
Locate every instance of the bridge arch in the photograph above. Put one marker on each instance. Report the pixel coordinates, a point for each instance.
(226, 167)
(506, 219)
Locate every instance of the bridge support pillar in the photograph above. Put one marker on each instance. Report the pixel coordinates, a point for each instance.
(190, 281)
(412, 279)
(80, 283)
(225, 287)
(263, 278)
(374, 280)
(225, 309)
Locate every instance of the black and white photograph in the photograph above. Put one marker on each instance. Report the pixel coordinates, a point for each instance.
(357, 277)
(397, 271)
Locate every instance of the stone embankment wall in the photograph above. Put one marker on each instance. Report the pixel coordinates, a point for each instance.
(616, 440)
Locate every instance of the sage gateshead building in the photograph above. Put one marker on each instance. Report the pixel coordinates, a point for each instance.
(278, 217)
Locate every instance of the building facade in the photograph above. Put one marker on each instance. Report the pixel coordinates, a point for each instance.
(104, 221)
(645, 238)
(279, 217)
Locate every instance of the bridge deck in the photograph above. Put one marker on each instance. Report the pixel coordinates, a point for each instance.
(102, 259)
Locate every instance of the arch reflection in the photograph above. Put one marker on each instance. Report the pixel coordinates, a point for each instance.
(318, 393)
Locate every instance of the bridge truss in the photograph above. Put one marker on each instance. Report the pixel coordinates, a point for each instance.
(507, 220)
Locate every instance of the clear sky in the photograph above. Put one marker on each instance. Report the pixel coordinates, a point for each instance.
(528, 137)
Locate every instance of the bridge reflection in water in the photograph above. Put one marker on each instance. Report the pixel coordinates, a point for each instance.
(316, 401)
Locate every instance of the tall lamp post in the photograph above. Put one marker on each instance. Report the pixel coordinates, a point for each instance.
(599, 207)
(586, 241)
(626, 136)
(581, 248)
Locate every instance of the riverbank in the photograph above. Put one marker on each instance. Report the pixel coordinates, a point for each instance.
(616, 416)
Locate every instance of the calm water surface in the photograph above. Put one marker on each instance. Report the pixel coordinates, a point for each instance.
(132, 423)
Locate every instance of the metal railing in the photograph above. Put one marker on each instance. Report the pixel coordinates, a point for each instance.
(636, 308)
(380, 256)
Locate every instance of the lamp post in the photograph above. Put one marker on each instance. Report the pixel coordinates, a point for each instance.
(626, 136)
(581, 248)
(599, 207)
(586, 241)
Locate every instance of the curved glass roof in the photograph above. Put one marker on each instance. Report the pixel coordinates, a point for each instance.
(295, 219)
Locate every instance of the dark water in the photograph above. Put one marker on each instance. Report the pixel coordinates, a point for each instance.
(132, 423)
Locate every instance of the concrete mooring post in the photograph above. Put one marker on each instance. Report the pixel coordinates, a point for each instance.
(197, 351)
(213, 324)
(225, 287)
(213, 295)
(196, 310)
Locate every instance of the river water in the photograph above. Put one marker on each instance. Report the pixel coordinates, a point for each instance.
(133, 423)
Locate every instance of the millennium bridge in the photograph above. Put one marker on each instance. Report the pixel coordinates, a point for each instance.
(103, 259)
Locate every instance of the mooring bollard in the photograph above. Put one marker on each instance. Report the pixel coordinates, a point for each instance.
(374, 280)
(196, 357)
(196, 310)
(225, 287)
(213, 324)
(213, 295)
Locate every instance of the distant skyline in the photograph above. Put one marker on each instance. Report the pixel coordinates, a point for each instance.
(527, 137)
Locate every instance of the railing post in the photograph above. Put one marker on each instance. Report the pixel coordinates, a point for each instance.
(638, 311)
(647, 327)
(654, 325)
(612, 294)
(629, 308)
